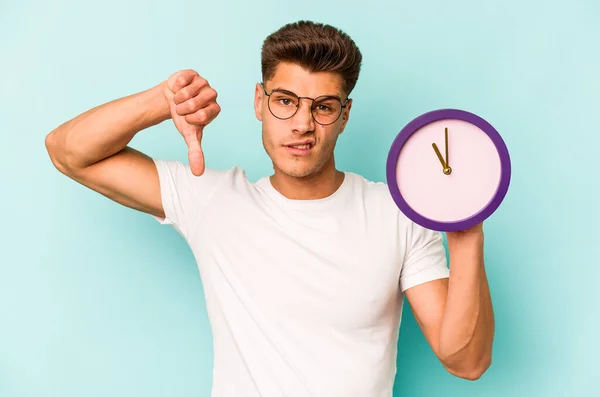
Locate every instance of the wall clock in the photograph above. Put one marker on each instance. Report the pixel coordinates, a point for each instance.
(448, 170)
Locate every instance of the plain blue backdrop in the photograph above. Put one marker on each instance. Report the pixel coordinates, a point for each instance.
(97, 299)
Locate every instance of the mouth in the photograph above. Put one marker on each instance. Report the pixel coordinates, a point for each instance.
(300, 148)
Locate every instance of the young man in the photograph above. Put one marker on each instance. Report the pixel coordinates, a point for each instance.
(305, 270)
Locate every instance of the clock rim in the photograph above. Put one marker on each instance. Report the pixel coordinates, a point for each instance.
(430, 117)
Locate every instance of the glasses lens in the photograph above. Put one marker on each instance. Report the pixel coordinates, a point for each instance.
(326, 110)
(283, 105)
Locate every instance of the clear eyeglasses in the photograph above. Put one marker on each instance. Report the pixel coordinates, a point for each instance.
(284, 104)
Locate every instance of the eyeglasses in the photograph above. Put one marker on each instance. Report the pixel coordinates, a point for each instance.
(284, 104)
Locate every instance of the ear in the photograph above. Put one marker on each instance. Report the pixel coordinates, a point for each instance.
(258, 101)
(345, 115)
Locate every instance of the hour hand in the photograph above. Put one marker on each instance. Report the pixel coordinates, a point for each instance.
(437, 151)
(447, 169)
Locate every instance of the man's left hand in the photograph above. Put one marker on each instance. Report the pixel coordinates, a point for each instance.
(472, 233)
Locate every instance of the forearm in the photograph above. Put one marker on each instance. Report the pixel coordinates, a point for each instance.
(467, 327)
(107, 129)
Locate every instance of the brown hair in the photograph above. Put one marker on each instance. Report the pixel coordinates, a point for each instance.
(316, 47)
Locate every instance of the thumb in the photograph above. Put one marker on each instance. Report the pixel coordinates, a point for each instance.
(193, 140)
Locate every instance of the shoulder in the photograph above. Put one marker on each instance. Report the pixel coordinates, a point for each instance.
(176, 178)
(372, 191)
(377, 200)
(180, 170)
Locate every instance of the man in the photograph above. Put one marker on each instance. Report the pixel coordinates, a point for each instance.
(305, 270)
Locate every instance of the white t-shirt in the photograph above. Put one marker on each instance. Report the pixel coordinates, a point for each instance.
(304, 297)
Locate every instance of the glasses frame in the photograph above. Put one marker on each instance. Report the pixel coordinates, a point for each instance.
(343, 106)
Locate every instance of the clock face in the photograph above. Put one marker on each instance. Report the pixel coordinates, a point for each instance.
(448, 170)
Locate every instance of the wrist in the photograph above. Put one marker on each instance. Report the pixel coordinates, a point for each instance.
(156, 102)
(470, 240)
(473, 234)
(466, 250)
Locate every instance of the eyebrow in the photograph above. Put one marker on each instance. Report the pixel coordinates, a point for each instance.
(281, 89)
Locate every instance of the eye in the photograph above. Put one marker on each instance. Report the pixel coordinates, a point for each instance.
(283, 99)
(327, 106)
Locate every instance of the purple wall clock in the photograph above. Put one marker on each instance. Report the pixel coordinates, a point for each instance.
(448, 170)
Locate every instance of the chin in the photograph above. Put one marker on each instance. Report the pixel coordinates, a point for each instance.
(297, 170)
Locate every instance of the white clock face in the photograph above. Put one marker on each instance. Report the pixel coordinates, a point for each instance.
(469, 187)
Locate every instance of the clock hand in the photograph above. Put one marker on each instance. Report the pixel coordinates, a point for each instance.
(447, 170)
(437, 151)
(447, 163)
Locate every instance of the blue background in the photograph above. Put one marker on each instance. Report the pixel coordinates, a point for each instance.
(97, 299)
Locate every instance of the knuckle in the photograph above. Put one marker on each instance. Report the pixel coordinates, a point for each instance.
(190, 120)
(181, 109)
(187, 92)
(201, 116)
(184, 107)
(212, 94)
(201, 80)
(195, 103)
(180, 82)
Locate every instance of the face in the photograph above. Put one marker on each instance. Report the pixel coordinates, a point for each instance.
(299, 146)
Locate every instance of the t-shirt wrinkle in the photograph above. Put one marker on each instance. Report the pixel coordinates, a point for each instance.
(304, 297)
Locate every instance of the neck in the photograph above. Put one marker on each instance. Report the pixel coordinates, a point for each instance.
(312, 187)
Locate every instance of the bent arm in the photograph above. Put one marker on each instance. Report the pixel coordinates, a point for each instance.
(456, 314)
(92, 149)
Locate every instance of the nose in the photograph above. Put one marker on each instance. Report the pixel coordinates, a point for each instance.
(303, 121)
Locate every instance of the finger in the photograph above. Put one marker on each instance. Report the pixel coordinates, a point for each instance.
(179, 80)
(168, 94)
(205, 115)
(192, 105)
(198, 161)
(195, 154)
(190, 91)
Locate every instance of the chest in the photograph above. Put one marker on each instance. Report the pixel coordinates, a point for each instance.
(336, 266)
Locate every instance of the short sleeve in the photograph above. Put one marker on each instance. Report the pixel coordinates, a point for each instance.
(425, 259)
(184, 194)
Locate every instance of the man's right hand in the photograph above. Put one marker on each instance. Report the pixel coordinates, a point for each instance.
(92, 148)
(193, 105)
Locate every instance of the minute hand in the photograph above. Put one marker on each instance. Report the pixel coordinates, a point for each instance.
(446, 136)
